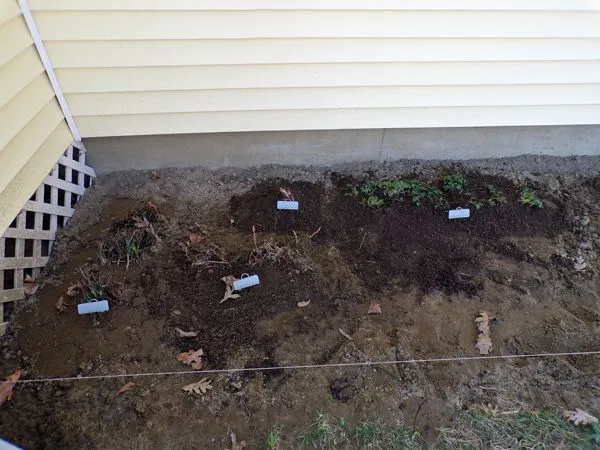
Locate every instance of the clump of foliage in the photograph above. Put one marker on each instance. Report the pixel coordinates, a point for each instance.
(454, 182)
(527, 197)
(377, 193)
(495, 196)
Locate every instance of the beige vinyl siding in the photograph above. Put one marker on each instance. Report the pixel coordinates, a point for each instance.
(133, 67)
(33, 133)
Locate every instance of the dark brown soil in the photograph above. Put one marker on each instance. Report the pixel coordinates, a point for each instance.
(431, 276)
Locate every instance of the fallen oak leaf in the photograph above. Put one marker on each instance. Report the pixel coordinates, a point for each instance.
(6, 387)
(579, 264)
(186, 334)
(579, 417)
(126, 387)
(199, 387)
(303, 304)
(374, 307)
(61, 305)
(484, 339)
(192, 358)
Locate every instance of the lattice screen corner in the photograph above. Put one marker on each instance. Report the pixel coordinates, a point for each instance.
(26, 245)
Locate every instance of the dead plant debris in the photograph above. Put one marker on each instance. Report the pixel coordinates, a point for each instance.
(303, 304)
(126, 387)
(73, 290)
(199, 387)
(579, 417)
(484, 339)
(192, 358)
(374, 307)
(186, 334)
(228, 280)
(346, 335)
(287, 194)
(6, 387)
(61, 305)
(235, 445)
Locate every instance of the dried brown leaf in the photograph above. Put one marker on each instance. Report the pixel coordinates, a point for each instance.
(155, 176)
(228, 280)
(374, 307)
(186, 334)
(287, 194)
(346, 335)
(195, 238)
(192, 358)
(6, 387)
(72, 291)
(303, 304)
(579, 417)
(61, 305)
(199, 387)
(484, 339)
(126, 387)
(579, 264)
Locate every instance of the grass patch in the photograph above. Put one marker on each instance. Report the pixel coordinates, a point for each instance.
(328, 433)
(528, 197)
(93, 286)
(378, 193)
(544, 429)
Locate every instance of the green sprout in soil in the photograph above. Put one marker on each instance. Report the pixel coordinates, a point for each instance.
(496, 197)
(527, 197)
(377, 193)
(454, 182)
(273, 437)
(93, 286)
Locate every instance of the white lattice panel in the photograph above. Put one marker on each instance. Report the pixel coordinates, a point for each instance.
(26, 245)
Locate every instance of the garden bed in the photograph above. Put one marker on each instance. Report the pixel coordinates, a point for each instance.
(158, 246)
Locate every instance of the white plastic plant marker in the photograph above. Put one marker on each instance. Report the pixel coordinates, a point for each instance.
(459, 213)
(93, 306)
(245, 281)
(288, 204)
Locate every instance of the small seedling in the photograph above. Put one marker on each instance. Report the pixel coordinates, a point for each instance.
(454, 182)
(527, 197)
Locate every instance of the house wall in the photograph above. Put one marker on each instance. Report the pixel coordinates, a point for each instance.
(147, 67)
(33, 134)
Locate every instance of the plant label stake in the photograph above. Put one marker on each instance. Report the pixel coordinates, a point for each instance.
(288, 204)
(93, 306)
(459, 213)
(245, 281)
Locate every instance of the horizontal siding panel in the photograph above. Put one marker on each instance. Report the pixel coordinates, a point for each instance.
(98, 54)
(128, 125)
(26, 143)
(23, 107)
(331, 98)
(14, 38)
(8, 10)
(125, 25)
(24, 184)
(195, 5)
(18, 73)
(318, 75)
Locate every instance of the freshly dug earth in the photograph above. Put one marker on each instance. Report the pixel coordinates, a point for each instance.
(430, 275)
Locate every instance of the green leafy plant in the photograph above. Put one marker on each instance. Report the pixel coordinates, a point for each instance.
(527, 197)
(495, 196)
(376, 193)
(454, 182)
(273, 438)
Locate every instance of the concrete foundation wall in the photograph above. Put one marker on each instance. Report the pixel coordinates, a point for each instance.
(324, 148)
